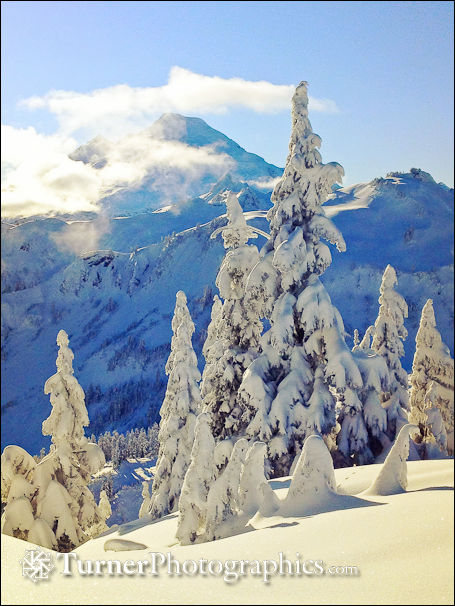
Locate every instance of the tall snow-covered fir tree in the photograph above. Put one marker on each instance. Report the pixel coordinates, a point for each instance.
(179, 410)
(72, 457)
(432, 375)
(235, 329)
(389, 335)
(287, 388)
(49, 503)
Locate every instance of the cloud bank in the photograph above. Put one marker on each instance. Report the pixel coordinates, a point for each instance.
(40, 177)
(122, 108)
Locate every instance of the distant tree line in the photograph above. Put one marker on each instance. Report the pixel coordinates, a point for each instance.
(118, 447)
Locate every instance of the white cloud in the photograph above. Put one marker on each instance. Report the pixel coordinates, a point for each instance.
(39, 177)
(120, 109)
(265, 183)
(81, 237)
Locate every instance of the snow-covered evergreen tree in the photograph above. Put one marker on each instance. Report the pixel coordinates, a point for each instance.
(104, 505)
(389, 334)
(212, 329)
(145, 506)
(16, 462)
(287, 388)
(235, 330)
(17, 468)
(433, 370)
(433, 426)
(223, 494)
(198, 480)
(356, 337)
(375, 377)
(365, 343)
(252, 479)
(49, 503)
(178, 412)
(72, 459)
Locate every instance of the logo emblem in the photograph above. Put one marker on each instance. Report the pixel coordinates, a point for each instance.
(37, 565)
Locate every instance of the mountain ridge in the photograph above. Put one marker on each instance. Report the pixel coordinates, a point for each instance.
(117, 306)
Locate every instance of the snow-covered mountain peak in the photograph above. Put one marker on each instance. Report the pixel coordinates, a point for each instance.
(190, 130)
(94, 152)
(195, 132)
(174, 160)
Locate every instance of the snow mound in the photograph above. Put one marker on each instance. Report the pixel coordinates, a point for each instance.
(312, 490)
(392, 478)
(123, 545)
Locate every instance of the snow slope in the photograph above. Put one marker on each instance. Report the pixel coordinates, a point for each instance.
(110, 280)
(402, 545)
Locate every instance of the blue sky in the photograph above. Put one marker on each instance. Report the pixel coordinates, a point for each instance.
(384, 69)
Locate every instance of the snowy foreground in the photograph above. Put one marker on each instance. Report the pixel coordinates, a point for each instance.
(401, 544)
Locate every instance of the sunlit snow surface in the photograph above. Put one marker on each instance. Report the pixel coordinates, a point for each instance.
(402, 544)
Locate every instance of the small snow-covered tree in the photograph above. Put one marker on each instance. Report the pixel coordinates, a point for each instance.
(393, 476)
(18, 518)
(104, 505)
(433, 370)
(365, 343)
(17, 468)
(145, 506)
(178, 412)
(16, 463)
(235, 330)
(223, 494)
(289, 389)
(251, 490)
(433, 426)
(363, 442)
(389, 334)
(356, 337)
(352, 439)
(198, 479)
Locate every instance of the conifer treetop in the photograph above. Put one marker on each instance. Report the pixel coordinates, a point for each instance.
(69, 414)
(305, 180)
(237, 232)
(428, 335)
(65, 356)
